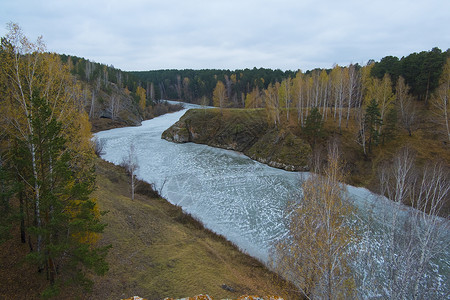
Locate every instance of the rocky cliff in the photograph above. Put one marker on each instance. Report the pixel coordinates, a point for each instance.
(245, 131)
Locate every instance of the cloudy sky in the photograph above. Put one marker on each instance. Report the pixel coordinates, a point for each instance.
(232, 34)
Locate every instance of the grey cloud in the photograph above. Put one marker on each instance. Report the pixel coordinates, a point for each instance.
(142, 35)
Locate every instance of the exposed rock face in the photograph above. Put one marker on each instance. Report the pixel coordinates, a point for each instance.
(242, 131)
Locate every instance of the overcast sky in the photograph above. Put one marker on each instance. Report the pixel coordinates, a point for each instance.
(232, 34)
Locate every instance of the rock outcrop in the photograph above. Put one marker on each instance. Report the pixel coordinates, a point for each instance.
(243, 131)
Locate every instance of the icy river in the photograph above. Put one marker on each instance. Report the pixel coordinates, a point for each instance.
(230, 193)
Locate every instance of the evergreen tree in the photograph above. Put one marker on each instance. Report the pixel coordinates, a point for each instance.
(372, 122)
(390, 126)
(69, 220)
(46, 140)
(313, 128)
(6, 192)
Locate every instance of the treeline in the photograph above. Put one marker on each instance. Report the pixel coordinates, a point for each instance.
(396, 85)
(421, 71)
(47, 171)
(353, 96)
(193, 85)
(92, 72)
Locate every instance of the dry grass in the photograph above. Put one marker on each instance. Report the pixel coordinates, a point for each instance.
(157, 252)
(101, 124)
(160, 252)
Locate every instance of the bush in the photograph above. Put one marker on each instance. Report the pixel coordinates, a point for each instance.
(147, 189)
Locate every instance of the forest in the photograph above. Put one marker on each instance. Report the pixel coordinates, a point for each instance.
(421, 72)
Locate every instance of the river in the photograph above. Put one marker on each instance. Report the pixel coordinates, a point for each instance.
(230, 193)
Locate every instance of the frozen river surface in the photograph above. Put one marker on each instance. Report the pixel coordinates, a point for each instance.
(230, 193)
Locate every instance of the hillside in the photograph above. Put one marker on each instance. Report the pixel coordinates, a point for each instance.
(157, 252)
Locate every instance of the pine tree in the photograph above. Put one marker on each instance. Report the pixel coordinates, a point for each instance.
(372, 122)
(48, 147)
(313, 128)
(69, 220)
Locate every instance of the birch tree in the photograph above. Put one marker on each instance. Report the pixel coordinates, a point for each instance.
(410, 242)
(315, 255)
(324, 93)
(284, 94)
(50, 149)
(220, 95)
(354, 84)
(381, 92)
(273, 103)
(405, 105)
(141, 93)
(298, 95)
(337, 83)
(130, 164)
(441, 100)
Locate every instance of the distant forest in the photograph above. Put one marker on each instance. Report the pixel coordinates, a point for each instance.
(421, 72)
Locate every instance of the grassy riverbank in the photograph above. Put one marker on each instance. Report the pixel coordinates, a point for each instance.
(243, 130)
(157, 252)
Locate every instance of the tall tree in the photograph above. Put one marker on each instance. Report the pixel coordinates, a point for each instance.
(372, 123)
(129, 162)
(284, 95)
(140, 92)
(272, 101)
(298, 96)
(50, 149)
(353, 89)
(405, 105)
(220, 95)
(441, 99)
(316, 253)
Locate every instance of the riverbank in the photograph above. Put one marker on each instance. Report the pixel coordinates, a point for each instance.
(245, 131)
(157, 252)
(158, 109)
(285, 147)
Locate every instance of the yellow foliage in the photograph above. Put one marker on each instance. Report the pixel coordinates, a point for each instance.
(315, 256)
(141, 94)
(220, 95)
(85, 237)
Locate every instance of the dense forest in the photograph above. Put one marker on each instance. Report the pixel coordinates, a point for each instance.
(421, 72)
(400, 86)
